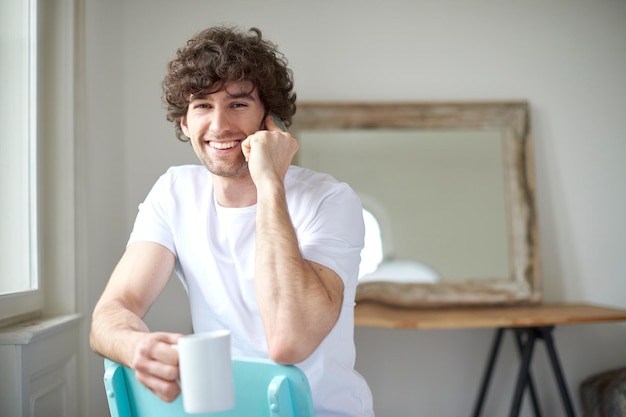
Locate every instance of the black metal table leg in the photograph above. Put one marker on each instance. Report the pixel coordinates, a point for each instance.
(531, 385)
(546, 334)
(491, 360)
(522, 376)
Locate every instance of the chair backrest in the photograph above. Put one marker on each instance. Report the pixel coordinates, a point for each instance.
(262, 389)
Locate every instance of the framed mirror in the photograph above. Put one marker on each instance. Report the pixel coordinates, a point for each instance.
(448, 197)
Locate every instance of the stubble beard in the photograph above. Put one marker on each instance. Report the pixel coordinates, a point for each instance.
(225, 170)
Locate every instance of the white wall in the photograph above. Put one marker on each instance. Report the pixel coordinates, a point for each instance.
(566, 57)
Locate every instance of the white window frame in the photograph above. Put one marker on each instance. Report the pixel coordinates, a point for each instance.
(56, 25)
(21, 250)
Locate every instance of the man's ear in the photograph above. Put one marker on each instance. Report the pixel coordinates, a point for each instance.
(183, 126)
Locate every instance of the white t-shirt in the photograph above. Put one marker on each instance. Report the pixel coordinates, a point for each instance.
(214, 248)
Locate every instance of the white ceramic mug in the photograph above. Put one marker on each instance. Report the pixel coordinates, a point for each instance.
(206, 372)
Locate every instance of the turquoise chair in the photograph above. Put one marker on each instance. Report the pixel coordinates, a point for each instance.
(262, 389)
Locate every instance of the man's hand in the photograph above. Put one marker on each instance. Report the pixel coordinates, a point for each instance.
(156, 364)
(269, 152)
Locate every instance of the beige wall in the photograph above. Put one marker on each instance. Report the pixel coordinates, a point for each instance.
(566, 57)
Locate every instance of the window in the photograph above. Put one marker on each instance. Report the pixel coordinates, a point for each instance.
(19, 280)
(372, 253)
(40, 46)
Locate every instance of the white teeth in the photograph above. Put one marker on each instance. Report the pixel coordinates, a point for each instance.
(223, 145)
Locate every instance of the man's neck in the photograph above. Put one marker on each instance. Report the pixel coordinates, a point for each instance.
(234, 191)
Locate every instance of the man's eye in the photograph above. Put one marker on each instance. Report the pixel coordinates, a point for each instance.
(200, 105)
(239, 105)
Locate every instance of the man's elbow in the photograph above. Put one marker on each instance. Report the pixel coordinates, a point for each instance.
(288, 351)
(93, 338)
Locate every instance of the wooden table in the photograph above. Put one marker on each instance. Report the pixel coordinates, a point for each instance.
(528, 323)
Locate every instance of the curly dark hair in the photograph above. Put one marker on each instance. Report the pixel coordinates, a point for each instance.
(219, 55)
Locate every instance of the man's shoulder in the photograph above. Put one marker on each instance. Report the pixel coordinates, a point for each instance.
(301, 182)
(186, 174)
(190, 170)
(183, 181)
(300, 175)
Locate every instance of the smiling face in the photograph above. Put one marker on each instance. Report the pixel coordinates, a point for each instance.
(217, 123)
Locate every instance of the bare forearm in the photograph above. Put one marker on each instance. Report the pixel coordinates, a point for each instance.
(297, 306)
(115, 331)
(117, 325)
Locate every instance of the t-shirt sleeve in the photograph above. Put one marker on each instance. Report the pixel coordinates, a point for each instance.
(334, 235)
(152, 222)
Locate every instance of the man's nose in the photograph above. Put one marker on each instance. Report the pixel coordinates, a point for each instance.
(220, 122)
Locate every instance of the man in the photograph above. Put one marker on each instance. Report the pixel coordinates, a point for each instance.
(266, 249)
